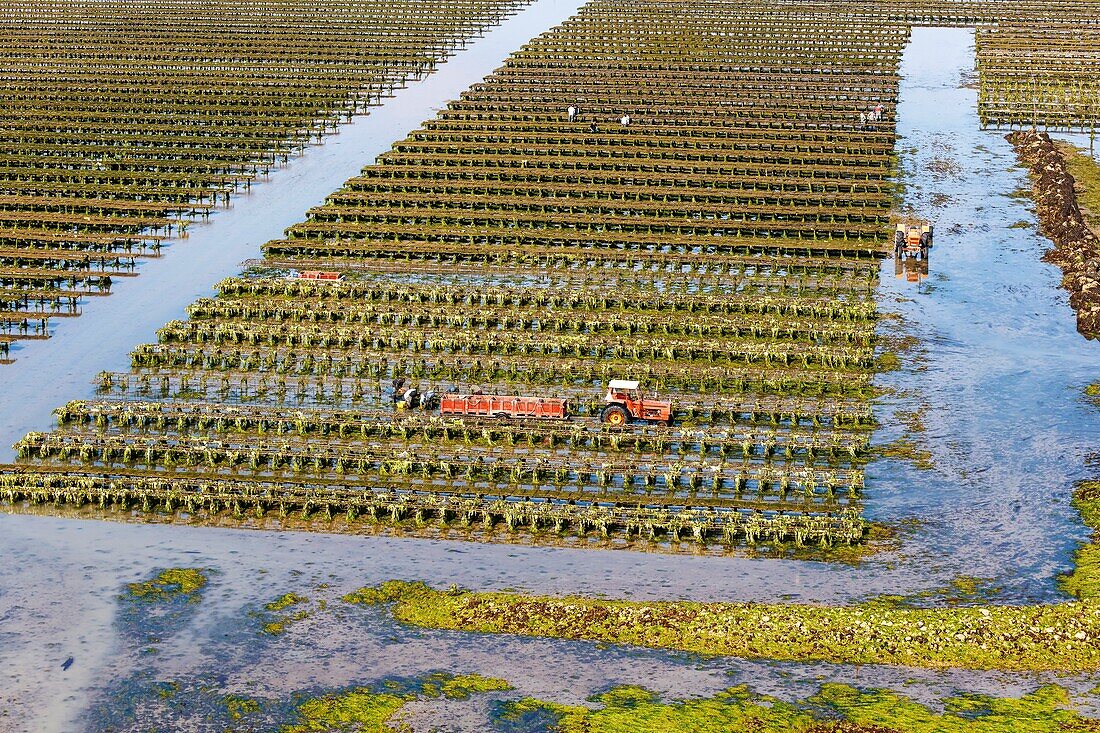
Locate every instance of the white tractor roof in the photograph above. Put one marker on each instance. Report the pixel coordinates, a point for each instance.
(623, 384)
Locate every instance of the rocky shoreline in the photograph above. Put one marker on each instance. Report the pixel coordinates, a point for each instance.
(1076, 248)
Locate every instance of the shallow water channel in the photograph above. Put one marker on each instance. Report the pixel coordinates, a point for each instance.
(999, 369)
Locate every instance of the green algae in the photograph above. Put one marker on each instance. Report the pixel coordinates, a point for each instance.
(1084, 581)
(166, 690)
(911, 446)
(971, 586)
(365, 709)
(239, 707)
(168, 585)
(275, 622)
(877, 537)
(1042, 711)
(629, 709)
(963, 589)
(1086, 175)
(460, 687)
(1093, 390)
(913, 420)
(1059, 637)
(836, 708)
(281, 624)
(386, 592)
(906, 449)
(357, 710)
(285, 601)
(887, 362)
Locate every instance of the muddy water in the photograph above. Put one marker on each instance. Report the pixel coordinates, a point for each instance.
(1001, 376)
(49, 373)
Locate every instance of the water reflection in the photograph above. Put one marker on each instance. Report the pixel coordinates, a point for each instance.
(911, 268)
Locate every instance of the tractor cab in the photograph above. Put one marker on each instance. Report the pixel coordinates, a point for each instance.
(624, 402)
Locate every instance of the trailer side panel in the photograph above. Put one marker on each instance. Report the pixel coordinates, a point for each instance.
(511, 406)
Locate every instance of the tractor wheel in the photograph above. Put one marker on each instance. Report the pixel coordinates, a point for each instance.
(615, 415)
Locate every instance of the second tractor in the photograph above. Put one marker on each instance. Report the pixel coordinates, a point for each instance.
(913, 240)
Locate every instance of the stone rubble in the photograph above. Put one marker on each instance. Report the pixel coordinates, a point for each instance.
(1076, 248)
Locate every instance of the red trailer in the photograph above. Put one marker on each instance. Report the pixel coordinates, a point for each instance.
(487, 405)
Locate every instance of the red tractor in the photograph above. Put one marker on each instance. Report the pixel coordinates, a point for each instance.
(625, 403)
(913, 240)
